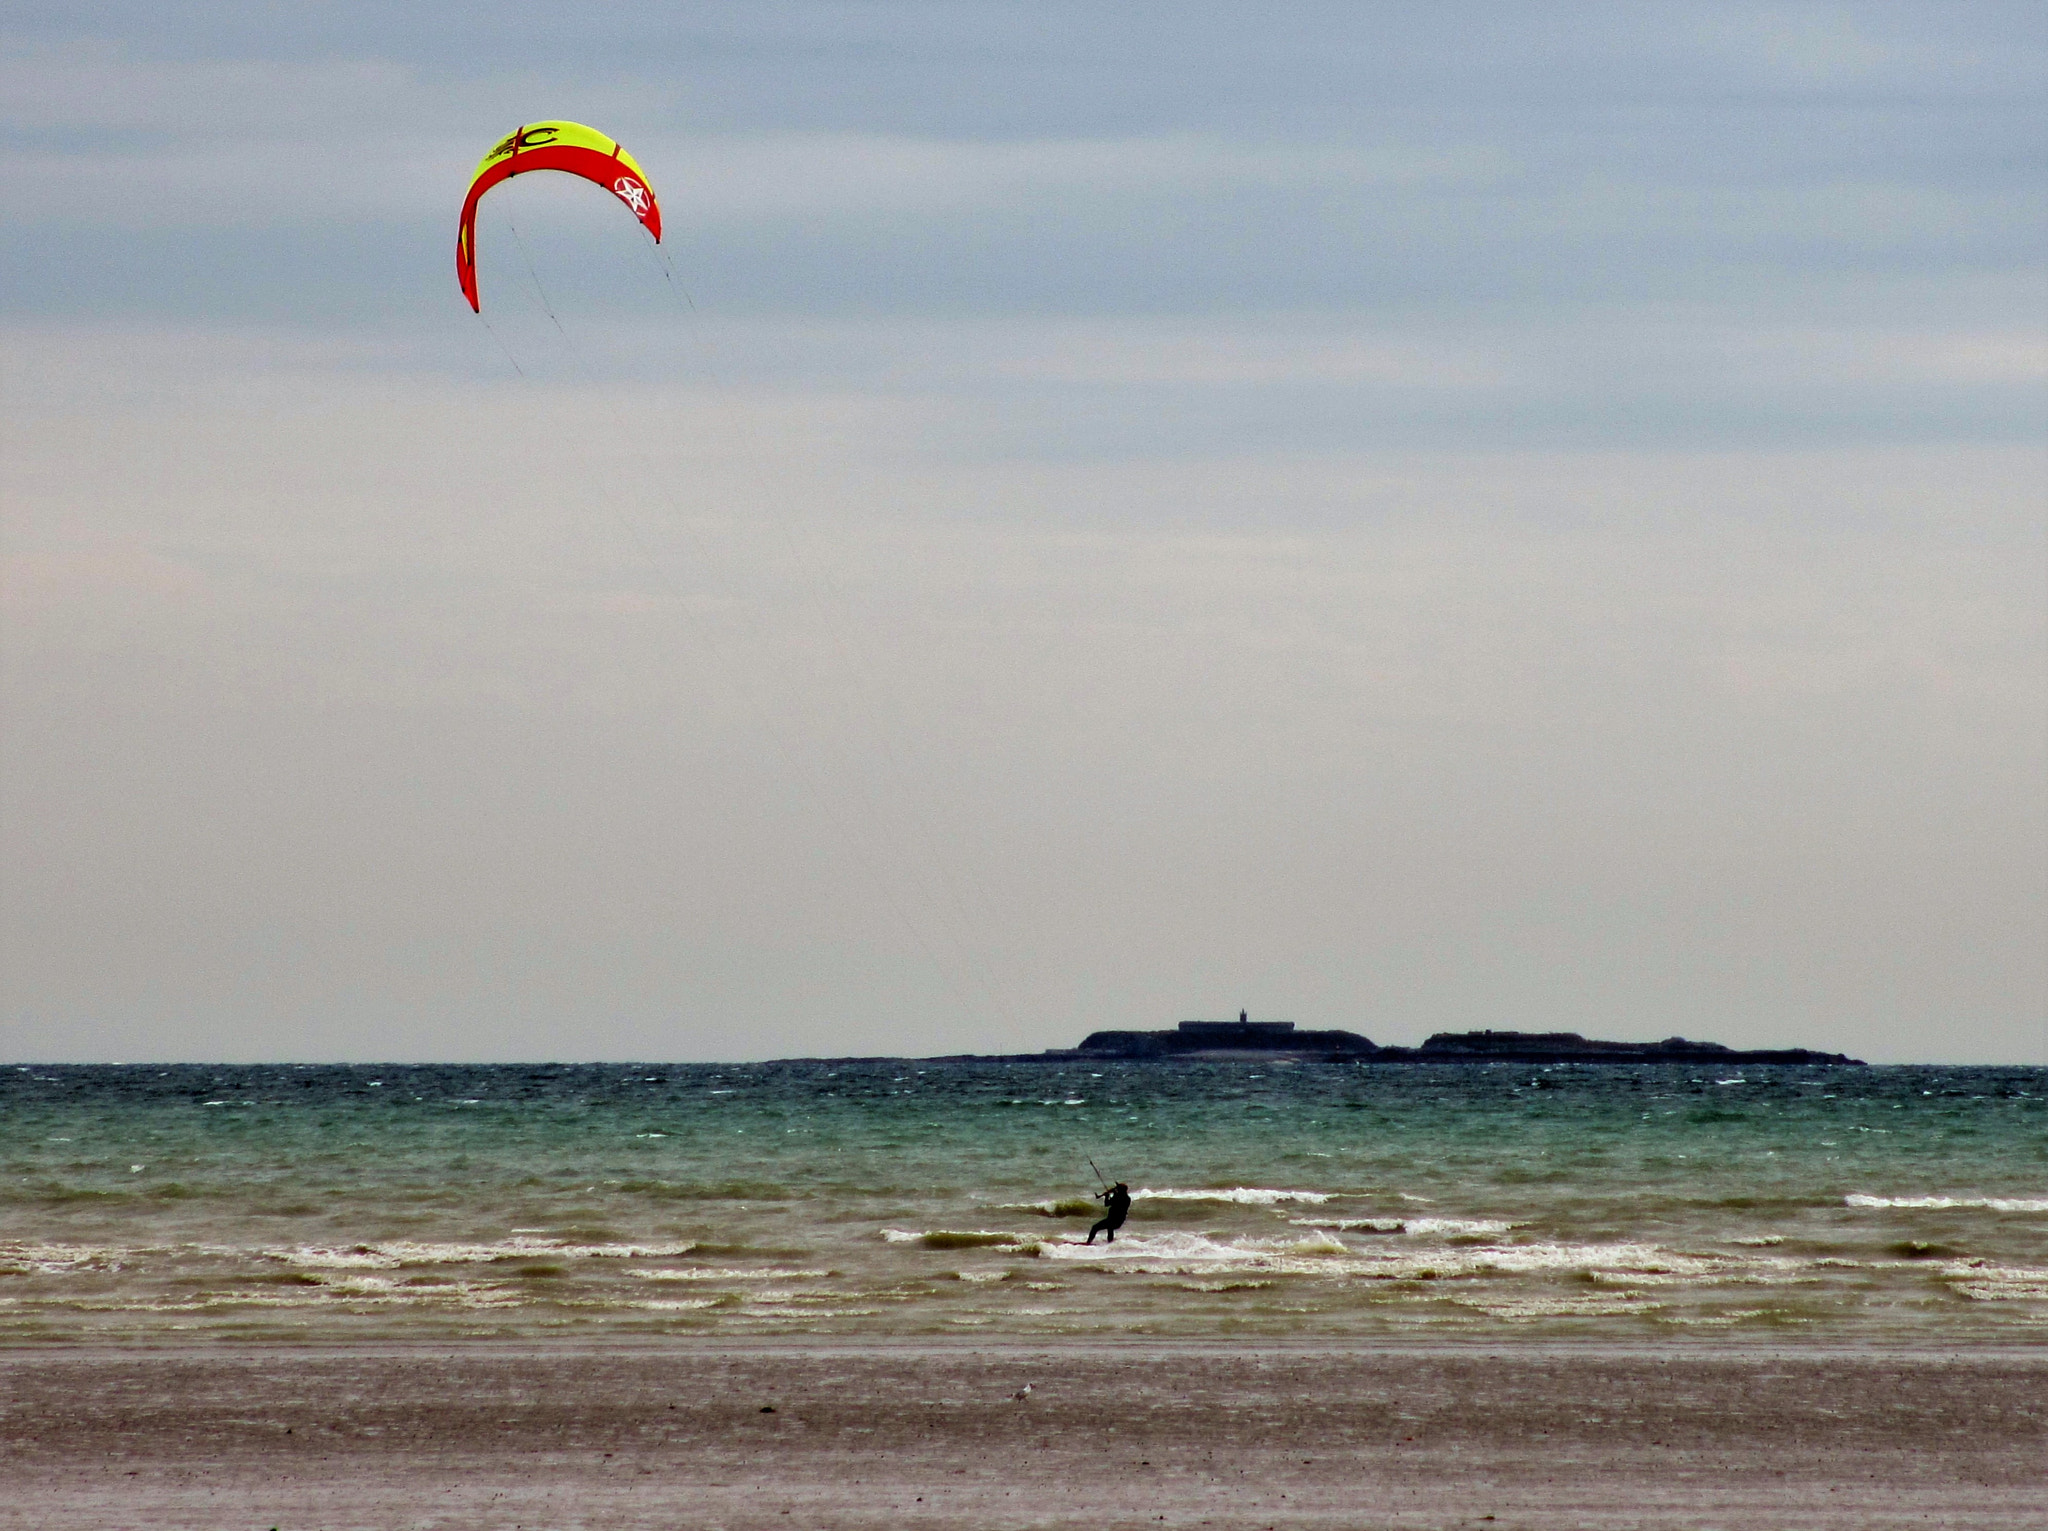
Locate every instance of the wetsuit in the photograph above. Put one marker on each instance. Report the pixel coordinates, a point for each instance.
(1117, 1199)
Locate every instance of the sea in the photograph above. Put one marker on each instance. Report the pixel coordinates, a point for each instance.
(878, 1199)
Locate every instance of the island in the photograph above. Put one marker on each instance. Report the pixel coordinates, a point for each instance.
(1245, 1037)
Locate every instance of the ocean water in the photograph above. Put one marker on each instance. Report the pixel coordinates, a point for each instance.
(885, 1198)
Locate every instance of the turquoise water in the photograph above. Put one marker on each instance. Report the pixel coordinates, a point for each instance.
(883, 1198)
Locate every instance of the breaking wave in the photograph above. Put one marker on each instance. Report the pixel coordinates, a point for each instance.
(1194, 1253)
(1947, 1203)
(1251, 1196)
(952, 1238)
(1985, 1282)
(399, 1252)
(763, 1273)
(1420, 1227)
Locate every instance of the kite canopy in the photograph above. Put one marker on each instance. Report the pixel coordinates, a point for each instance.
(566, 146)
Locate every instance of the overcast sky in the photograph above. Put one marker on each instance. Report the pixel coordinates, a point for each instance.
(1390, 516)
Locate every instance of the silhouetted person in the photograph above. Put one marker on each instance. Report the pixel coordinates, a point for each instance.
(1117, 1202)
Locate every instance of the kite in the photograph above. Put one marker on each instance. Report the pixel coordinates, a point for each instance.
(566, 146)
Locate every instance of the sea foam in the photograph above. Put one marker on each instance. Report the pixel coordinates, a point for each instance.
(1420, 1227)
(1997, 1283)
(1253, 1196)
(1946, 1203)
(399, 1252)
(765, 1273)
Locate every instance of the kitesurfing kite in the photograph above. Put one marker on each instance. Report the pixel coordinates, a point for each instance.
(566, 146)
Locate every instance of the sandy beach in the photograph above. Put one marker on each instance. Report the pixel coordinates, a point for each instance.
(882, 1436)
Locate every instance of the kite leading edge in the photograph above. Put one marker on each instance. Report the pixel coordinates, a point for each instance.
(567, 146)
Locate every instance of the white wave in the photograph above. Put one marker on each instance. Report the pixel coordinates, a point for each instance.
(1557, 1307)
(775, 1296)
(355, 1289)
(1945, 1203)
(1456, 1227)
(1612, 1260)
(960, 1238)
(1194, 1254)
(1179, 1253)
(1318, 1244)
(1195, 1248)
(61, 1259)
(214, 1305)
(1245, 1195)
(357, 1257)
(398, 1252)
(1744, 1273)
(1997, 1283)
(766, 1273)
(348, 1294)
(1419, 1227)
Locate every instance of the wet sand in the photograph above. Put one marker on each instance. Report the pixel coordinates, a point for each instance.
(887, 1436)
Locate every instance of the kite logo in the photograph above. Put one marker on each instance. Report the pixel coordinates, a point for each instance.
(633, 194)
(525, 138)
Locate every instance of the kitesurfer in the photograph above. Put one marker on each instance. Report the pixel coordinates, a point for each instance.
(1116, 1203)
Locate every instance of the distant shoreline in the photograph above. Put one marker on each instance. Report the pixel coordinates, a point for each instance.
(1245, 1038)
(1045, 1057)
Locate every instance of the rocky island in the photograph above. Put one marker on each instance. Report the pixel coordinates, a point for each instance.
(1245, 1037)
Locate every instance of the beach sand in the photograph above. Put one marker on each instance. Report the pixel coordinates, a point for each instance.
(932, 1436)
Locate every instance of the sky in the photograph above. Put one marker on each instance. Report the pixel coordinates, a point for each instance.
(1401, 518)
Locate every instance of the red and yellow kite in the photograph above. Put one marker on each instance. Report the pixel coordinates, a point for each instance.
(566, 146)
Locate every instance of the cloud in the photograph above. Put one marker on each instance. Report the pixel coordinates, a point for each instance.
(95, 85)
(786, 176)
(1812, 46)
(1282, 349)
(357, 162)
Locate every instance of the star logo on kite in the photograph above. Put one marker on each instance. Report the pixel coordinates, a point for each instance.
(633, 194)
